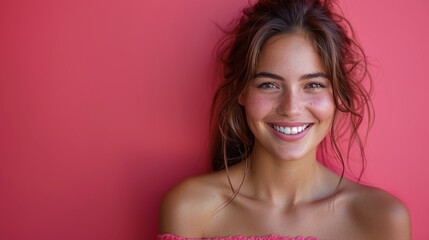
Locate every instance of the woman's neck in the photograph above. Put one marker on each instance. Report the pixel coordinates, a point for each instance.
(284, 182)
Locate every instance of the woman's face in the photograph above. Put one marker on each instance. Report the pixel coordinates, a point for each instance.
(289, 104)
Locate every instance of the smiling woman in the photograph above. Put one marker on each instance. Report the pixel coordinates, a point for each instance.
(292, 83)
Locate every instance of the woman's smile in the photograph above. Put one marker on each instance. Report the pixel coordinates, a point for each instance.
(292, 130)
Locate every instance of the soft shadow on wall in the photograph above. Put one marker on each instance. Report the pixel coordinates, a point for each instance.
(146, 188)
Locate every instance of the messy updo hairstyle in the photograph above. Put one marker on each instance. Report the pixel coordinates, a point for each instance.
(345, 65)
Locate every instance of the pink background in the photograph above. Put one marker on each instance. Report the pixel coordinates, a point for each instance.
(104, 106)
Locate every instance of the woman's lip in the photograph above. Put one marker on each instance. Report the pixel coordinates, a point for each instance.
(289, 124)
(291, 137)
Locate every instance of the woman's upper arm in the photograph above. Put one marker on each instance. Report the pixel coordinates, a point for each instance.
(398, 222)
(183, 210)
(384, 216)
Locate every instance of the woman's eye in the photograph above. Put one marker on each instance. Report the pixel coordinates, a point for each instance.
(267, 85)
(315, 85)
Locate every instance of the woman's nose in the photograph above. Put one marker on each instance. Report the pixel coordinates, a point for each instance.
(290, 103)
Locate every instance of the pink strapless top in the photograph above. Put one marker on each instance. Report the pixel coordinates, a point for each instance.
(270, 237)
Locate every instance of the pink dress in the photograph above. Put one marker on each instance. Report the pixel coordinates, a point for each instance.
(270, 237)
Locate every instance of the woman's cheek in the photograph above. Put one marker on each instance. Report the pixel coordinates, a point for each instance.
(322, 106)
(259, 107)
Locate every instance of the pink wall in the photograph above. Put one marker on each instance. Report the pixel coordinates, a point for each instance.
(396, 35)
(104, 106)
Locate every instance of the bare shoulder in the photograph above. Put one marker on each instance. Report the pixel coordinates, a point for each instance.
(377, 213)
(185, 209)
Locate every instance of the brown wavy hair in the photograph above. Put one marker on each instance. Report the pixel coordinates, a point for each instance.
(344, 61)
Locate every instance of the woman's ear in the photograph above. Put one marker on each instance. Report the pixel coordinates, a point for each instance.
(242, 98)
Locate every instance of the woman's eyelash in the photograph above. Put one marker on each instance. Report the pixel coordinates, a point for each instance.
(272, 85)
(315, 85)
(267, 85)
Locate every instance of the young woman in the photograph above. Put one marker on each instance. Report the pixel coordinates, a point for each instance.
(292, 90)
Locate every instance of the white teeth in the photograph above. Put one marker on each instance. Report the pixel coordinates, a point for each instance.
(290, 131)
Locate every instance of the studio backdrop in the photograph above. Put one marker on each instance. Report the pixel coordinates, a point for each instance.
(104, 105)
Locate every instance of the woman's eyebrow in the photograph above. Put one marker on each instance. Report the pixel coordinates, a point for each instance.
(278, 77)
(314, 75)
(269, 75)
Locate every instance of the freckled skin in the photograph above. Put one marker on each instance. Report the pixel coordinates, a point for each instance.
(291, 57)
(286, 191)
